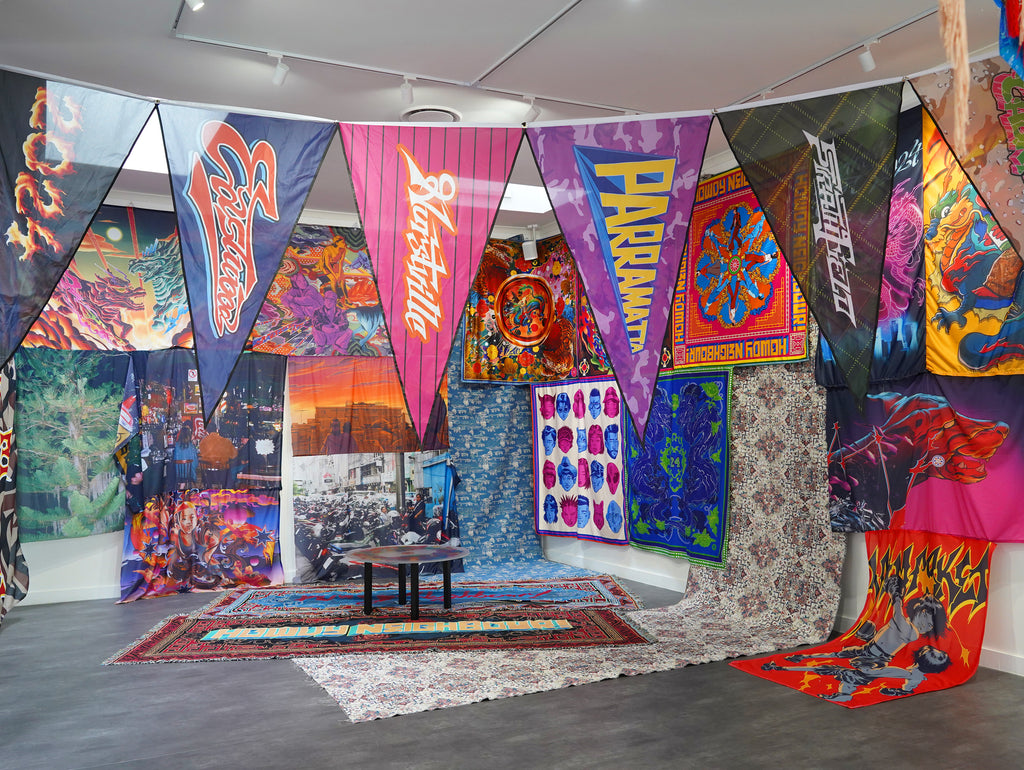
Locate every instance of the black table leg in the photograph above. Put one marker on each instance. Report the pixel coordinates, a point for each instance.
(414, 613)
(368, 587)
(401, 584)
(446, 570)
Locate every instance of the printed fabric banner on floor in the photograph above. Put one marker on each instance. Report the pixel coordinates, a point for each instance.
(737, 301)
(622, 192)
(578, 456)
(62, 146)
(677, 480)
(239, 184)
(921, 628)
(428, 197)
(822, 171)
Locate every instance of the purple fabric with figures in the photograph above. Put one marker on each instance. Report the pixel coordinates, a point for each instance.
(622, 193)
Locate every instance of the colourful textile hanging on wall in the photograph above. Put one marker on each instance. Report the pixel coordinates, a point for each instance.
(899, 338)
(61, 147)
(822, 171)
(736, 301)
(124, 289)
(677, 480)
(239, 184)
(921, 628)
(578, 459)
(195, 540)
(622, 192)
(344, 502)
(428, 197)
(932, 453)
(13, 568)
(178, 450)
(348, 404)
(323, 301)
(67, 413)
(975, 322)
(520, 321)
(591, 355)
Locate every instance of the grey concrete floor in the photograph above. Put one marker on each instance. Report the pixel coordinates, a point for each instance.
(61, 709)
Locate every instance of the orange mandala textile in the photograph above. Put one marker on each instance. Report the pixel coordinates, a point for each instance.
(921, 628)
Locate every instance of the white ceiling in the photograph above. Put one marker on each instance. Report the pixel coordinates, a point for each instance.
(483, 58)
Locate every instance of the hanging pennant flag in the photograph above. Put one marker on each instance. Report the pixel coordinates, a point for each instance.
(239, 184)
(428, 196)
(822, 171)
(61, 147)
(900, 335)
(995, 164)
(622, 193)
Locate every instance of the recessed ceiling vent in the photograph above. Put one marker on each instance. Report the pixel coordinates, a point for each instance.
(431, 113)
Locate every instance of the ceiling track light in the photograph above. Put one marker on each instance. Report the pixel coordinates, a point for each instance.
(866, 58)
(195, 5)
(280, 71)
(406, 91)
(533, 113)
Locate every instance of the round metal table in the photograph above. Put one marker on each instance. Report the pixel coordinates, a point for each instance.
(413, 556)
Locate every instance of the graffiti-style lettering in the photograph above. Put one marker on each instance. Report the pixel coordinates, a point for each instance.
(227, 185)
(429, 196)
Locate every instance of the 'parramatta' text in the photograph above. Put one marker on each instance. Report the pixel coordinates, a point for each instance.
(428, 196)
(633, 219)
(832, 225)
(225, 193)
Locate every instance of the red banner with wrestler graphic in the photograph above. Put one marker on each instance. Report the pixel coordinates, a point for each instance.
(428, 196)
(239, 183)
(921, 628)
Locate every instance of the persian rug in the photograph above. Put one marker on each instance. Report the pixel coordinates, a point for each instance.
(189, 638)
(600, 591)
(921, 628)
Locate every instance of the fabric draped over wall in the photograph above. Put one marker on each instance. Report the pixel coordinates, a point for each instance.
(933, 453)
(579, 458)
(204, 507)
(13, 569)
(67, 417)
(736, 301)
(677, 480)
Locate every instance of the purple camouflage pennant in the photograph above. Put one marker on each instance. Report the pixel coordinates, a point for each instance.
(622, 192)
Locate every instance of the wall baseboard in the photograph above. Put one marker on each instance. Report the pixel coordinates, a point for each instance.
(78, 594)
(623, 570)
